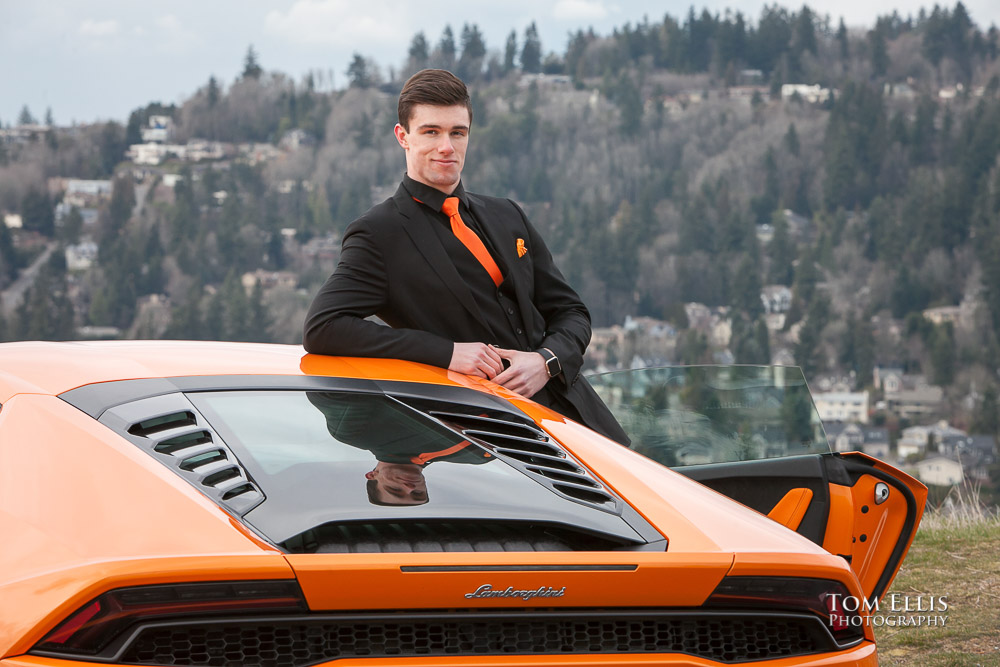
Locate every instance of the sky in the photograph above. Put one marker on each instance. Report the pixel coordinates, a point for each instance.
(99, 60)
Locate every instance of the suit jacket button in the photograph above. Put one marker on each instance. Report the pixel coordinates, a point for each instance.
(519, 332)
(510, 311)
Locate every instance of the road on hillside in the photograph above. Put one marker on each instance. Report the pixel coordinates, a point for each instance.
(11, 297)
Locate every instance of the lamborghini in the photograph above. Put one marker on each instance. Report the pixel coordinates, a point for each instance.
(204, 503)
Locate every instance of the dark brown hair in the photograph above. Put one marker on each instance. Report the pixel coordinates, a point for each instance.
(436, 87)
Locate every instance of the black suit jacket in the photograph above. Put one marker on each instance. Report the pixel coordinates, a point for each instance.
(393, 265)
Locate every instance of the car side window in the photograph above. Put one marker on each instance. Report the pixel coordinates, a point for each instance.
(694, 415)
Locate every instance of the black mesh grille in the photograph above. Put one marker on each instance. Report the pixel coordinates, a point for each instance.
(525, 446)
(300, 642)
(442, 536)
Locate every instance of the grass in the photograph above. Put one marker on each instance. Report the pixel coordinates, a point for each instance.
(956, 554)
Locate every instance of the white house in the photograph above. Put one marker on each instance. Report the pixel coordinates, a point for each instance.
(814, 94)
(842, 406)
(939, 471)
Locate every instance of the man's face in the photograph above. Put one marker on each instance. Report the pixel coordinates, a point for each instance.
(435, 145)
(399, 483)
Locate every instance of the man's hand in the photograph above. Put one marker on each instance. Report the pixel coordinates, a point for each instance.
(526, 374)
(477, 359)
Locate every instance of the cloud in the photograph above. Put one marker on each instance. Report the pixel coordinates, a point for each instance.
(95, 28)
(579, 10)
(337, 22)
(172, 36)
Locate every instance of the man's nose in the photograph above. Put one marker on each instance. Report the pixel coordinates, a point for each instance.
(445, 146)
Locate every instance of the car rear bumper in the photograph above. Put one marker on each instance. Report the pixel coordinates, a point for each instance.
(862, 655)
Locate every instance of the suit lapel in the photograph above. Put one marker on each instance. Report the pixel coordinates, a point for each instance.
(421, 230)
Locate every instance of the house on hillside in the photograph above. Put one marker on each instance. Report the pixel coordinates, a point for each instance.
(776, 298)
(159, 130)
(842, 406)
(888, 378)
(814, 94)
(851, 437)
(916, 404)
(940, 471)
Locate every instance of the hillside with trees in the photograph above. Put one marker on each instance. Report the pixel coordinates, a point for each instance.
(693, 159)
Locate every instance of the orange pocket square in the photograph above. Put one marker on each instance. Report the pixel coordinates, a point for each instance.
(521, 250)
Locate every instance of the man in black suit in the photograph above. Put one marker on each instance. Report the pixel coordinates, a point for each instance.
(463, 281)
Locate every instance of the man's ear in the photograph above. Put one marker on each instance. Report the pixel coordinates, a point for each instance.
(401, 136)
(370, 475)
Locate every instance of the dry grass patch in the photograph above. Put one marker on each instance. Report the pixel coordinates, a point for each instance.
(956, 555)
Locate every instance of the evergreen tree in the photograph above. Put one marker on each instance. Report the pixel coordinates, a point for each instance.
(111, 148)
(809, 353)
(781, 251)
(792, 140)
(747, 290)
(943, 355)
(259, 320)
(185, 317)
(37, 212)
(445, 51)
(213, 92)
(251, 68)
(854, 146)
(25, 117)
(470, 64)
(46, 312)
(419, 53)
(804, 38)
(986, 416)
(72, 224)
(842, 42)
(510, 53)
(361, 72)
(880, 51)
(531, 51)
(236, 324)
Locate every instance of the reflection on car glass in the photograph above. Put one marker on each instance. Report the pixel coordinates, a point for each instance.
(368, 441)
(712, 414)
(372, 423)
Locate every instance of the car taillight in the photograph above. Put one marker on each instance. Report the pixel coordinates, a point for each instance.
(822, 597)
(91, 628)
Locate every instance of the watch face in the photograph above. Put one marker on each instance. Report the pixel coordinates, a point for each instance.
(552, 366)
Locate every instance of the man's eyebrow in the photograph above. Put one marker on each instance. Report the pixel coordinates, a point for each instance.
(435, 126)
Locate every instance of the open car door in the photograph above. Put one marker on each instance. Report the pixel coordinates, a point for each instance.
(753, 434)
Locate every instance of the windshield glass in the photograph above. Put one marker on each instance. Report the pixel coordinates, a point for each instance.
(692, 415)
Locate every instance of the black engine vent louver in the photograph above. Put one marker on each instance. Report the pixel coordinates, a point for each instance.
(532, 451)
(169, 429)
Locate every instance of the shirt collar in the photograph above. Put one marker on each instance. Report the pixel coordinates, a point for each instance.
(432, 197)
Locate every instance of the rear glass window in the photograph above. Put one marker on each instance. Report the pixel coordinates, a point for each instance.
(691, 415)
(280, 429)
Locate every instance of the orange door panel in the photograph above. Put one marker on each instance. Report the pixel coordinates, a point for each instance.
(884, 511)
(851, 504)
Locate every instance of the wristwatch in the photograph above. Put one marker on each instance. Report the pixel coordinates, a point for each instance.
(552, 365)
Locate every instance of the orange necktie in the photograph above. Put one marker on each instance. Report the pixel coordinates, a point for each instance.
(470, 240)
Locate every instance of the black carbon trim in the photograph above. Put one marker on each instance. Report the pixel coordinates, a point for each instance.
(725, 636)
(94, 399)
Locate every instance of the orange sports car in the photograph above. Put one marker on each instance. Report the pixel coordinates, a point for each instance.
(181, 503)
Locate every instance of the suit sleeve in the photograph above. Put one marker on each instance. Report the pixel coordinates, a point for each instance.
(336, 323)
(567, 320)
